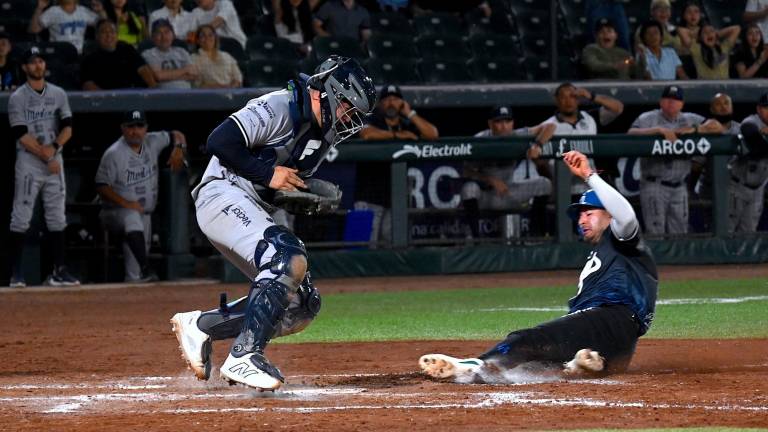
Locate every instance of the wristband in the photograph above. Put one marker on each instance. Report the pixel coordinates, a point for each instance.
(411, 114)
(586, 180)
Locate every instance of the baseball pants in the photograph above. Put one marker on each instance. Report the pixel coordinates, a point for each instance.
(125, 221)
(32, 177)
(519, 192)
(611, 330)
(745, 207)
(665, 208)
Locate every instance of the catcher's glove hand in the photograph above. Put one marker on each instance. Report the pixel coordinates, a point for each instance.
(320, 196)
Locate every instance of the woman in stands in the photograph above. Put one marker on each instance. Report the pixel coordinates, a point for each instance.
(751, 58)
(293, 21)
(131, 24)
(217, 69)
(711, 53)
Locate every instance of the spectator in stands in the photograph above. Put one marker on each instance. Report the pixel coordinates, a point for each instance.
(749, 173)
(171, 65)
(658, 62)
(751, 57)
(10, 70)
(711, 56)
(131, 24)
(127, 182)
(756, 12)
(508, 184)
(613, 10)
(216, 68)
(67, 21)
(661, 12)
(183, 22)
(222, 16)
(570, 120)
(293, 21)
(343, 18)
(114, 65)
(663, 188)
(690, 23)
(394, 119)
(604, 60)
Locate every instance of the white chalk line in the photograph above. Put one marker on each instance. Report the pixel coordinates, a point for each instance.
(662, 302)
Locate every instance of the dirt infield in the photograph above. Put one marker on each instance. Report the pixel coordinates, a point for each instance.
(105, 359)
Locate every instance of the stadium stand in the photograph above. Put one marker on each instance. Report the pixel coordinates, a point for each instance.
(390, 23)
(260, 47)
(393, 71)
(270, 73)
(445, 71)
(442, 47)
(437, 24)
(390, 46)
(322, 47)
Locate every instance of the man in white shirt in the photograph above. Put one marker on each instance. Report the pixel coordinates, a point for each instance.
(221, 14)
(183, 22)
(67, 21)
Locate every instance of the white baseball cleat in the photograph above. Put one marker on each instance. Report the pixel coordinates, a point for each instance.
(443, 366)
(194, 344)
(585, 361)
(252, 371)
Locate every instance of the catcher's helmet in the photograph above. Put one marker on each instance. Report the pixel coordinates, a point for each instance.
(588, 199)
(342, 79)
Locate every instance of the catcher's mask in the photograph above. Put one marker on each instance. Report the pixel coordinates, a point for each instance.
(589, 199)
(342, 82)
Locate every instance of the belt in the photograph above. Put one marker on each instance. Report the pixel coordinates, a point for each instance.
(741, 182)
(664, 182)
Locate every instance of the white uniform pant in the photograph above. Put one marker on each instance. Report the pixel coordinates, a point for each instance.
(745, 207)
(125, 221)
(520, 192)
(32, 176)
(665, 208)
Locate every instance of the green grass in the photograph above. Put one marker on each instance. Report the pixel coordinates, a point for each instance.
(483, 314)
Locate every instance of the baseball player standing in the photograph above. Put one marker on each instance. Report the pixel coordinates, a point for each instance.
(274, 143)
(663, 188)
(127, 182)
(749, 173)
(41, 124)
(613, 306)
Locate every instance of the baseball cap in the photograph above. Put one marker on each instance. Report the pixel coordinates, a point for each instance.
(390, 90)
(603, 22)
(31, 53)
(763, 101)
(589, 199)
(501, 113)
(673, 92)
(162, 22)
(134, 117)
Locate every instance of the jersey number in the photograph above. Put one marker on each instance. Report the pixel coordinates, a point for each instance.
(310, 148)
(593, 264)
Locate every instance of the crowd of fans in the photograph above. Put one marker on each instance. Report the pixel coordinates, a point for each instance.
(505, 40)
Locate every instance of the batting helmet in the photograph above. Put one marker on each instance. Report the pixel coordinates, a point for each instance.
(342, 79)
(588, 199)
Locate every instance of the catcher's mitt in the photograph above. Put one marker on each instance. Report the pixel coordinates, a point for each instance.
(320, 196)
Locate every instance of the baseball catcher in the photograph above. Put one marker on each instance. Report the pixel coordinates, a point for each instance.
(613, 307)
(263, 155)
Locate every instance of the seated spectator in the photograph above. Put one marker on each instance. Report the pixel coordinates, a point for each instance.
(171, 65)
(215, 68)
(293, 21)
(394, 119)
(127, 182)
(222, 16)
(595, 10)
(114, 65)
(343, 18)
(131, 24)
(604, 60)
(690, 25)
(751, 57)
(10, 70)
(67, 21)
(183, 21)
(507, 184)
(756, 12)
(661, 12)
(711, 56)
(658, 62)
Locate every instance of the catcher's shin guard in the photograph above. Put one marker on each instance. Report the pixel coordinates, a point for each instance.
(267, 303)
(226, 322)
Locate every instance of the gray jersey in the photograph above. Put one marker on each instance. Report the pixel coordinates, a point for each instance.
(666, 169)
(172, 59)
(133, 175)
(65, 27)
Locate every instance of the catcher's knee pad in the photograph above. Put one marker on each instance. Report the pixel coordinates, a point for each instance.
(266, 307)
(226, 322)
(302, 309)
(289, 262)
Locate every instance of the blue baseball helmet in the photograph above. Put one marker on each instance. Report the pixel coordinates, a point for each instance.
(588, 199)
